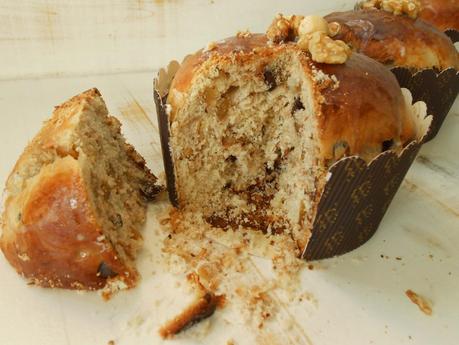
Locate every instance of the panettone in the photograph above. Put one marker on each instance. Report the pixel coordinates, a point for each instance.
(255, 125)
(75, 201)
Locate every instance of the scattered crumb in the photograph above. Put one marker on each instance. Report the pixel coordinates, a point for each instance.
(398, 258)
(112, 287)
(311, 267)
(136, 322)
(111, 342)
(203, 307)
(230, 342)
(221, 262)
(423, 304)
(308, 296)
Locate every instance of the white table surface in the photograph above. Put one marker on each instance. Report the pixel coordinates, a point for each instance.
(360, 297)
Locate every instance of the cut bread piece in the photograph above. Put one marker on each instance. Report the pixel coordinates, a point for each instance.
(76, 200)
(254, 128)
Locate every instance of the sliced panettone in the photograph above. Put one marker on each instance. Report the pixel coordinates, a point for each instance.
(76, 199)
(255, 126)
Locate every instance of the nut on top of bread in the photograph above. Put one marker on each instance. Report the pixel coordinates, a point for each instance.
(443, 14)
(395, 40)
(75, 201)
(256, 121)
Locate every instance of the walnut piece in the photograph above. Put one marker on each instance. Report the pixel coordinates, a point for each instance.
(334, 28)
(312, 24)
(279, 30)
(397, 7)
(324, 49)
(311, 33)
(284, 28)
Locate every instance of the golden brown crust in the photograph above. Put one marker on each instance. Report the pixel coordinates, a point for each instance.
(443, 14)
(395, 40)
(51, 234)
(366, 109)
(58, 242)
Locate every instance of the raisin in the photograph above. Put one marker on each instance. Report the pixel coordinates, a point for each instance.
(297, 105)
(270, 79)
(116, 220)
(149, 190)
(105, 271)
(387, 145)
(231, 159)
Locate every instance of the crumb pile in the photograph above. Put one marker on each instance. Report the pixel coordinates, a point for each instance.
(224, 268)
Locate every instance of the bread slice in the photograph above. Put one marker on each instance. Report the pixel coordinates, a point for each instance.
(76, 200)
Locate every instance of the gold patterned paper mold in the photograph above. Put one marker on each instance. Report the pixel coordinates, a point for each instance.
(437, 89)
(356, 195)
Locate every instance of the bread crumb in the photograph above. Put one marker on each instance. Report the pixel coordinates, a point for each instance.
(113, 286)
(423, 304)
(203, 307)
(227, 269)
(111, 342)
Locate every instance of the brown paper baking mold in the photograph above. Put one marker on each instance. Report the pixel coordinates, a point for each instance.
(437, 89)
(356, 194)
(453, 34)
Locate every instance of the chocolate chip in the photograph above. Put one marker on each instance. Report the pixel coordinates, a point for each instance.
(116, 220)
(297, 105)
(105, 271)
(149, 190)
(270, 79)
(387, 145)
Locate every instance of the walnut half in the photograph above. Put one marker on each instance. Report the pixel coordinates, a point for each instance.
(398, 7)
(324, 49)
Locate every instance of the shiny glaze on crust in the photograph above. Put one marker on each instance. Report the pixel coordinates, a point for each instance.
(366, 109)
(443, 14)
(58, 241)
(395, 40)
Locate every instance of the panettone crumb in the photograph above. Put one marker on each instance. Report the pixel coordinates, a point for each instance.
(227, 269)
(203, 307)
(112, 287)
(423, 304)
